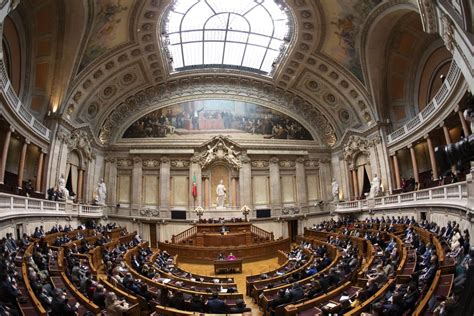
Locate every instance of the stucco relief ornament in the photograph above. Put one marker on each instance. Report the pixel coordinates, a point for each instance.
(219, 151)
(448, 33)
(355, 145)
(290, 210)
(80, 140)
(149, 212)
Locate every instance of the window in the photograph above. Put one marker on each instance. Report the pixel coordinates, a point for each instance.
(245, 34)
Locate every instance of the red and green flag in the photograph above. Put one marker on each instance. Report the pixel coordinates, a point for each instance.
(194, 190)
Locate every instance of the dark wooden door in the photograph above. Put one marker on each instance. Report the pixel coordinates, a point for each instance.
(153, 240)
(293, 229)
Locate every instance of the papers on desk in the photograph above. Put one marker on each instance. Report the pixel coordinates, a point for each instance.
(215, 280)
(344, 298)
(330, 305)
(223, 290)
(164, 280)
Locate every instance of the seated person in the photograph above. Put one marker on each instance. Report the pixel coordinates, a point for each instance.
(215, 305)
(224, 229)
(221, 256)
(231, 257)
(239, 307)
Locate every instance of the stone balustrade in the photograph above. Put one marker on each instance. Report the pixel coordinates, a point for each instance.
(453, 195)
(440, 101)
(17, 206)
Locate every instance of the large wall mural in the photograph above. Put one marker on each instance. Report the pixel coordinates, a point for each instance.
(345, 20)
(109, 28)
(201, 117)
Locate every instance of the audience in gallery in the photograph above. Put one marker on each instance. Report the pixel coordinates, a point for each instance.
(306, 284)
(399, 298)
(402, 298)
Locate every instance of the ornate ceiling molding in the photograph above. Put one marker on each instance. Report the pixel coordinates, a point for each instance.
(126, 72)
(429, 16)
(227, 87)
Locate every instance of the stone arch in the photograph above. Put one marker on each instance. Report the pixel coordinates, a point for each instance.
(405, 52)
(119, 130)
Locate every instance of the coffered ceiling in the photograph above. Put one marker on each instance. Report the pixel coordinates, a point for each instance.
(113, 66)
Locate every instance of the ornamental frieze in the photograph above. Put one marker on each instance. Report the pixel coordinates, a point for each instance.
(123, 162)
(311, 163)
(151, 163)
(180, 163)
(260, 164)
(287, 163)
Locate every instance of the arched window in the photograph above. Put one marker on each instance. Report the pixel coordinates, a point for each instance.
(245, 34)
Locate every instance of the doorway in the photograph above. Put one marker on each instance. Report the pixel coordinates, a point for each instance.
(293, 230)
(19, 231)
(153, 240)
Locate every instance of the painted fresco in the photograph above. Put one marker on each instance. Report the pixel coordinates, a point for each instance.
(109, 28)
(215, 117)
(345, 21)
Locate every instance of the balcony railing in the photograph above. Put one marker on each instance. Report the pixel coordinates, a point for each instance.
(451, 195)
(429, 111)
(15, 206)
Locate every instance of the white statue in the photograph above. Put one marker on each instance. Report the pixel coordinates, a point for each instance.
(62, 187)
(101, 192)
(231, 156)
(469, 116)
(221, 194)
(375, 187)
(209, 154)
(335, 190)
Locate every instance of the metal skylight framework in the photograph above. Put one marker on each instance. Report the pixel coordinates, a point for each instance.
(239, 34)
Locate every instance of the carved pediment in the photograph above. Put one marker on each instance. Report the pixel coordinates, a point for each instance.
(354, 146)
(81, 141)
(219, 148)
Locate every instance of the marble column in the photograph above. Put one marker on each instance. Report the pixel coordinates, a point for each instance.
(206, 192)
(275, 183)
(6, 145)
(245, 182)
(301, 190)
(414, 163)
(396, 170)
(111, 180)
(464, 125)
(195, 172)
(325, 179)
(355, 183)
(21, 165)
(80, 184)
(447, 137)
(39, 172)
(137, 179)
(434, 167)
(165, 171)
(234, 190)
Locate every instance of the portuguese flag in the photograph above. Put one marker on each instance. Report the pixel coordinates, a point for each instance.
(194, 190)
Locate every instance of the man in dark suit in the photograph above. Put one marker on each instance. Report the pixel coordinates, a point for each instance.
(239, 307)
(296, 292)
(215, 305)
(59, 305)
